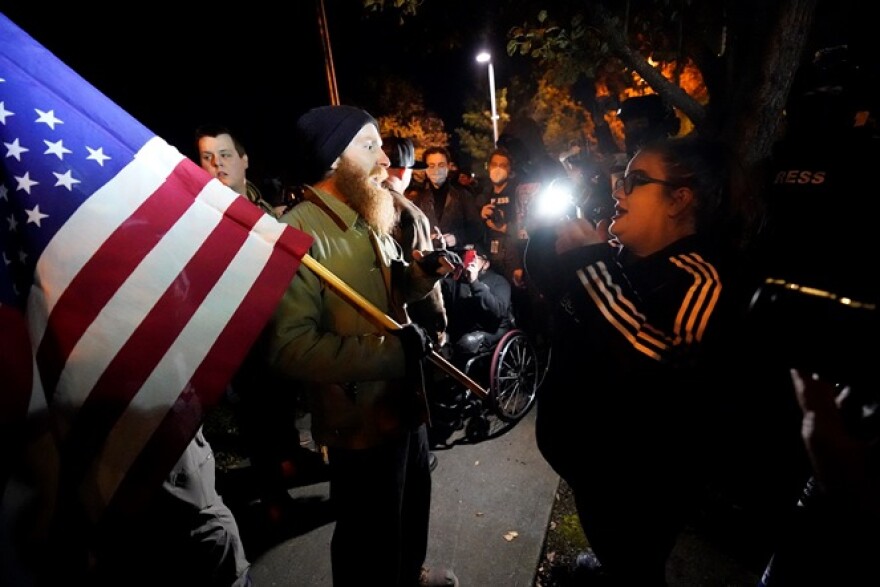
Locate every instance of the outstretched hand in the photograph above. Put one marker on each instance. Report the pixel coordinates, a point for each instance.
(831, 448)
(441, 240)
(843, 461)
(579, 232)
(440, 262)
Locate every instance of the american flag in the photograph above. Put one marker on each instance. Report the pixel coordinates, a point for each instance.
(131, 285)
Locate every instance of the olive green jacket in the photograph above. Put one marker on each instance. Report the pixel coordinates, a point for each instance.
(353, 371)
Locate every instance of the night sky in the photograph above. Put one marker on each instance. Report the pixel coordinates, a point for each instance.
(253, 70)
(258, 69)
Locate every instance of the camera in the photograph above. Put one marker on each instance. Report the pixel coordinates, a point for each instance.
(557, 201)
(497, 217)
(826, 333)
(560, 200)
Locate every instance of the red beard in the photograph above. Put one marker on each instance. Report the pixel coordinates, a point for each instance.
(372, 202)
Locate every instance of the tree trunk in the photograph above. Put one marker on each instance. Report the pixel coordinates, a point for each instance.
(748, 107)
(758, 109)
(671, 93)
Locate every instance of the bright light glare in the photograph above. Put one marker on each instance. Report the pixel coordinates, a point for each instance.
(555, 200)
(483, 57)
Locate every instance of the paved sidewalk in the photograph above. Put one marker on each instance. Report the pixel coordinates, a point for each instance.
(490, 509)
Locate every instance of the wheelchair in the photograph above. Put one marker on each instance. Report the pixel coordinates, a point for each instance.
(511, 373)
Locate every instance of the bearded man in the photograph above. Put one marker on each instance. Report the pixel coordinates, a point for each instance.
(364, 386)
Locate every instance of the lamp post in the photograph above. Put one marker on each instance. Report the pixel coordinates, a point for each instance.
(486, 57)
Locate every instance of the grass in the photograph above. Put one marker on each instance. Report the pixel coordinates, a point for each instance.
(564, 540)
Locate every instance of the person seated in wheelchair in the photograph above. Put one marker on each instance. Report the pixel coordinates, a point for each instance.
(478, 307)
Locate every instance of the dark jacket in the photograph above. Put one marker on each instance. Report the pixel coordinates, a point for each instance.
(483, 304)
(413, 232)
(353, 371)
(633, 343)
(502, 246)
(459, 214)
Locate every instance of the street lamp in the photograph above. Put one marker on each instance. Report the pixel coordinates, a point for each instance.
(486, 57)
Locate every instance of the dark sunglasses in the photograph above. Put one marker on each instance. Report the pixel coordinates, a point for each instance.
(636, 179)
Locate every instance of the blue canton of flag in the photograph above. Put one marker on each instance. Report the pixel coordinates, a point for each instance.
(51, 165)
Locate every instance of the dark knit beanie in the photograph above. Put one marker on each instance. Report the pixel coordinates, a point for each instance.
(323, 133)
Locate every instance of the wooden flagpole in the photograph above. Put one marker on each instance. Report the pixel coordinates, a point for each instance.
(385, 321)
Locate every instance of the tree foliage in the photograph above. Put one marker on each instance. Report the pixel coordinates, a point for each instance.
(402, 113)
(406, 7)
(475, 137)
(746, 50)
(563, 119)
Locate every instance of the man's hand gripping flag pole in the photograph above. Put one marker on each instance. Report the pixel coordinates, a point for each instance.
(385, 321)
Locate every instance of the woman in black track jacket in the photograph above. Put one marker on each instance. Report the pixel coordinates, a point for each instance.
(640, 319)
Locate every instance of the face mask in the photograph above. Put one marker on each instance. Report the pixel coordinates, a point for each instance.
(437, 176)
(498, 175)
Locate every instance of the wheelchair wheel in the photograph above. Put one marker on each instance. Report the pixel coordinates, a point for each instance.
(513, 376)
